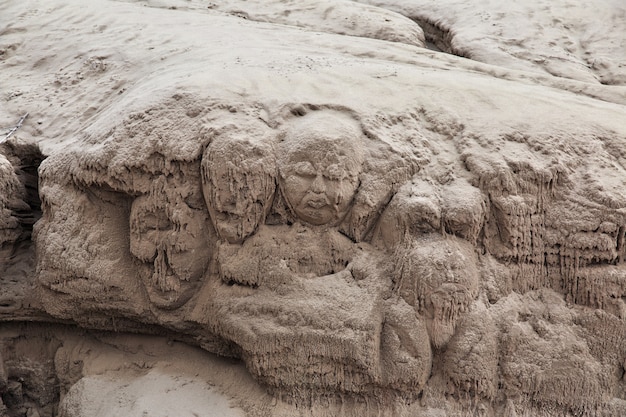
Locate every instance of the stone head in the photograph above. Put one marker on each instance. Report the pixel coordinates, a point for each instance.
(239, 183)
(439, 277)
(319, 164)
(171, 238)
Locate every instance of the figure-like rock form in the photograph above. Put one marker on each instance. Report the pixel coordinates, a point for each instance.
(294, 271)
(152, 231)
(239, 181)
(439, 278)
(334, 263)
(170, 237)
(320, 161)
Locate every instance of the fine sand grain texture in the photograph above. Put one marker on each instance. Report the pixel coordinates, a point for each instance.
(565, 39)
(362, 208)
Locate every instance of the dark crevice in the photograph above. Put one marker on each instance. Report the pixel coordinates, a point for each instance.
(432, 46)
(17, 253)
(25, 158)
(438, 37)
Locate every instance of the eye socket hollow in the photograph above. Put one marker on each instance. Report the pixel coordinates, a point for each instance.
(335, 172)
(305, 169)
(155, 221)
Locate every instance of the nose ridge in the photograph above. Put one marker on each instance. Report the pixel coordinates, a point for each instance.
(317, 185)
(232, 205)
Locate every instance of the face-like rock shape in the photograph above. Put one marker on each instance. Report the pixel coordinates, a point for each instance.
(439, 277)
(172, 239)
(320, 165)
(239, 182)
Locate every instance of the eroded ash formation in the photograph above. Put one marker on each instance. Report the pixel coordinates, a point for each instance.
(335, 263)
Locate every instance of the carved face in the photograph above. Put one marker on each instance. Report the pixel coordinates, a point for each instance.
(320, 168)
(234, 212)
(438, 276)
(173, 241)
(238, 186)
(319, 189)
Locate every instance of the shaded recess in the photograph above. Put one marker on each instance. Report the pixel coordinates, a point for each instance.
(29, 385)
(20, 209)
(26, 158)
(439, 37)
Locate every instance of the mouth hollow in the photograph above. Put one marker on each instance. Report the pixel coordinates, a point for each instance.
(316, 204)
